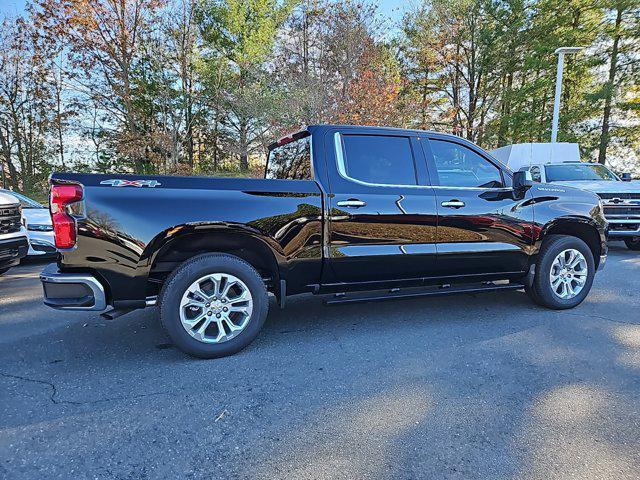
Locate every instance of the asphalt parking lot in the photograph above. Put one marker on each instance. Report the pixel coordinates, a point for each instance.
(478, 386)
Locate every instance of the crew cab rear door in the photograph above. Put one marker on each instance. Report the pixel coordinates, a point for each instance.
(382, 210)
(482, 227)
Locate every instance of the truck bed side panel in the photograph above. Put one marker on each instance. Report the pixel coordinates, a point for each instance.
(122, 228)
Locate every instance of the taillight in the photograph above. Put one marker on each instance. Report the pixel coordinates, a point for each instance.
(64, 225)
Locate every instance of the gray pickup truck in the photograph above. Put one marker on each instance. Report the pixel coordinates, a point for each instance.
(620, 195)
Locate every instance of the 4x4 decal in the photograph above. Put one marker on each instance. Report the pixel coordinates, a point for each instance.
(131, 183)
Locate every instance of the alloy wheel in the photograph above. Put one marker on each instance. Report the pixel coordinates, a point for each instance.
(568, 274)
(216, 308)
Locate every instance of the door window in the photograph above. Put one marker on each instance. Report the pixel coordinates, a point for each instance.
(458, 166)
(376, 159)
(290, 159)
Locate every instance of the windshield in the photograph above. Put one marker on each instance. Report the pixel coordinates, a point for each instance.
(574, 172)
(24, 201)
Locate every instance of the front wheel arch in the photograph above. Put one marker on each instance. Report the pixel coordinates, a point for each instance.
(579, 228)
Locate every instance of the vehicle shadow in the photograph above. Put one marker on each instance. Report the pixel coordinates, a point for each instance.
(473, 386)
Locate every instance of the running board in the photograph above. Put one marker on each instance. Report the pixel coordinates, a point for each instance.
(115, 313)
(396, 293)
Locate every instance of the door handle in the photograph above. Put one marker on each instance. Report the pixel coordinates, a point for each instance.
(352, 202)
(453, 204)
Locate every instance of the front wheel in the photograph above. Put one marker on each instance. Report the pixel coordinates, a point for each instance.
(632, 243)
(213, 305)
(564, 273)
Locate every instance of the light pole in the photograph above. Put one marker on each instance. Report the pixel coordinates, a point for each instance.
(556, 102)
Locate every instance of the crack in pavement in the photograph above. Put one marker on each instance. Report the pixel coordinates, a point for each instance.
(54, 392)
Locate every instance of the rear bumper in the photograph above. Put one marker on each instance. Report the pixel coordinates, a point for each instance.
(12, 250)
(41, 243)
(72, 291)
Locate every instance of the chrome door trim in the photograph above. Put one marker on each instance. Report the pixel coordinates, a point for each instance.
(453, 204)
(351, 203)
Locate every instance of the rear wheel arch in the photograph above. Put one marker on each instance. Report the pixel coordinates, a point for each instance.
(253, 250)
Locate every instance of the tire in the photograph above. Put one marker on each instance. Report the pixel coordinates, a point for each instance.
(533, 295)
(4, 270)
(632, 243)
(178, 308)
(543, 293)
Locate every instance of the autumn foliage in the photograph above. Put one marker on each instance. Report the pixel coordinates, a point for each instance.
(373, 96)
(203, 86)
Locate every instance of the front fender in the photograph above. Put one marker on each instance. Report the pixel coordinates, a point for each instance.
(570, 211)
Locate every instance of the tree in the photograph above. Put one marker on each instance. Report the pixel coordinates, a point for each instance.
(243, 34)
(26, 108)
(203, 86)
(372, 97)
(622, 31)
(103, 39)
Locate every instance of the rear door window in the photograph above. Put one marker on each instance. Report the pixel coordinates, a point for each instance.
(290, 159)
(377, 159)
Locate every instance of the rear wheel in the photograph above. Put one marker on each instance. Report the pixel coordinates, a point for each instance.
(632, 243)
(213, 305)
(564, 273)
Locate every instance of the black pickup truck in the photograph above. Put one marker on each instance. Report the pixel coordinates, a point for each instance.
(362, 213)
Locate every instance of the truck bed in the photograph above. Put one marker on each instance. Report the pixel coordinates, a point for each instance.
(126, 233)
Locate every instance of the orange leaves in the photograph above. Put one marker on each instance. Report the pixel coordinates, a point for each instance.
(372, 97)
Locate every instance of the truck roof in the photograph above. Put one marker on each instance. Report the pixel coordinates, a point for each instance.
(373, 128)
(297, 134)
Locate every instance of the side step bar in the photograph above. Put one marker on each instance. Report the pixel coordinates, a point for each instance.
(396, 293)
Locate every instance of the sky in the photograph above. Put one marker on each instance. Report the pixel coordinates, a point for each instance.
(11, 7)
(390, 8)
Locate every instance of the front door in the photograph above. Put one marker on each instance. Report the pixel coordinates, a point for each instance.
(382, 211)
(482, 226)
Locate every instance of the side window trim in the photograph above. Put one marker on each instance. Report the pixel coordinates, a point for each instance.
(341, 166)
(435, 177)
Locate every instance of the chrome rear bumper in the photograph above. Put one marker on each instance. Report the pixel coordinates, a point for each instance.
(72, 291)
